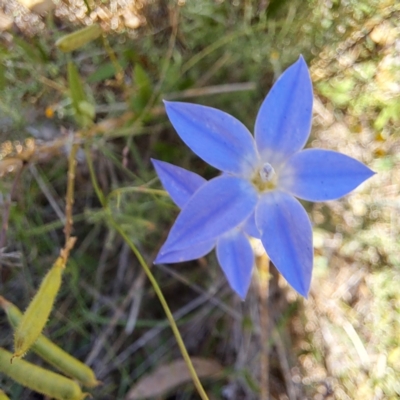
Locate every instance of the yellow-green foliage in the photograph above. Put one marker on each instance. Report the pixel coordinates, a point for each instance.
(79, 38)
(3, 396)
(39, 379)
(51, 353)
(84, 109)
(38, 311)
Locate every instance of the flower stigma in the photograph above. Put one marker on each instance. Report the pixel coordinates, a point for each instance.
(265, 178)
(266, 172)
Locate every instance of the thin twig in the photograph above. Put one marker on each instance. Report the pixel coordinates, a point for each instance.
(64, 253)
(69, 201)
(37, 151)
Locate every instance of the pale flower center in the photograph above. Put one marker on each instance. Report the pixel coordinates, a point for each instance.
(264, 178)
(266, 172)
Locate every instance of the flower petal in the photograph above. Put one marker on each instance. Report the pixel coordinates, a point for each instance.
(287, 237)
(250, 227)
(236, 258)
(283, 122)
(215, 136)
(190, 253)
(178, 182)
(319, 175)
(217, 207)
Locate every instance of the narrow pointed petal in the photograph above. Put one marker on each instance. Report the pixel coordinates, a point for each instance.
(215, 136)
(217, 207)
(286, 235)
(319, 175)
(236, 258)
(191, 253)
(283, 123)
(178, 182)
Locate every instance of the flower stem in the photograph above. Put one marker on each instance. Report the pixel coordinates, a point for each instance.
(166, 308)
(152, 280)
(137, 189)
(69, 201)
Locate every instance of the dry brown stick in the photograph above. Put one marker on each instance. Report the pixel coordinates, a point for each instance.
(41, 152)
(70, 192)
(263, 270)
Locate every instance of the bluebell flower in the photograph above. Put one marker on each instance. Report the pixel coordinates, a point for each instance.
(234, 252)
(260, 178)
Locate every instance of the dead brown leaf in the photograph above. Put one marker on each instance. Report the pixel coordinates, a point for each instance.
(166, 377)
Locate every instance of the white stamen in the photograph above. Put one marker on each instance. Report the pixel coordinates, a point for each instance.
(267, 172)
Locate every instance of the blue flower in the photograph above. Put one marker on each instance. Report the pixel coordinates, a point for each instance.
(234, 251)
(260, 177)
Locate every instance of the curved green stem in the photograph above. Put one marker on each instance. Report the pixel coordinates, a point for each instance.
(137, 189)
(152, 280)
(166, 308)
